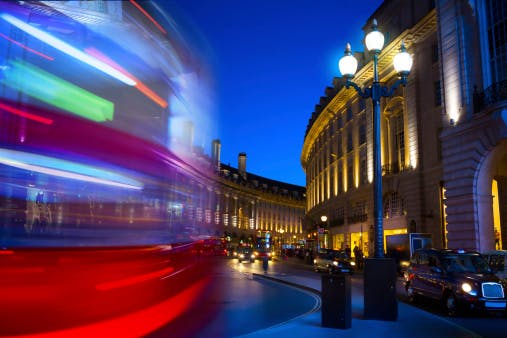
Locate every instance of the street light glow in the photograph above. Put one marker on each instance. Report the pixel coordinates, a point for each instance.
(348, 63)
(374, 40)
(402, 61)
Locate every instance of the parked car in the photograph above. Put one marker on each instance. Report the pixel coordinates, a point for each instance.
(459, 279)
(497, 260)
(245, 253)
(333, 261)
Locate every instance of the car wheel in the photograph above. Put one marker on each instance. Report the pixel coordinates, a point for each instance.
(450, 305)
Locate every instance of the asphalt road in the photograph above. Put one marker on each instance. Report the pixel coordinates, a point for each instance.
(239, 303)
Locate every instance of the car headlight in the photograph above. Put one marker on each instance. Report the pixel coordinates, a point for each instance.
(353, 263)
(253, 256)
(314, 261)
(335, 263)
(405, 264)
(241, 256)
(466, 287)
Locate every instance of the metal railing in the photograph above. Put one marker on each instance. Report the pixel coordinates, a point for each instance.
(493, 94)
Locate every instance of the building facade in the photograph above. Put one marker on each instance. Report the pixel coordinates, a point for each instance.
(245, 206)
(443, 169)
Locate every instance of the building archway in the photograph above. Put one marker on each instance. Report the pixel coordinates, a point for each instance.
(474, 157)
(492, 198)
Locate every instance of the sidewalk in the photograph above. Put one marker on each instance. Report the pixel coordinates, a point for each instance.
(412, 322)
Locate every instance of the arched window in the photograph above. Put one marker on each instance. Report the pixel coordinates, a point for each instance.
(395, 136)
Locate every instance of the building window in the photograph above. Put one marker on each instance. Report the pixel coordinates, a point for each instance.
(363, 172)
(497, 38)
(350, 144)
(339, 149)
(350, 174)
(393, 205)
(362, 131)
(399, 140)
(349, 113)
(340, 178)
(362, 105)
(438, 93)
(434, 53)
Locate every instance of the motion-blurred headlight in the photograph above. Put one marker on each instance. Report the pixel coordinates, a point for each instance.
(466, 287)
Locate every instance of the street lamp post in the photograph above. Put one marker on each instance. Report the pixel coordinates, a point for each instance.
(348, 66)
(323, 218)
(375, 292)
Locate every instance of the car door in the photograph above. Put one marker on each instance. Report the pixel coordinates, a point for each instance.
(435, 278)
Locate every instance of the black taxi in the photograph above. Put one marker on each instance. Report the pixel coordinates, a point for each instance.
(459, 279)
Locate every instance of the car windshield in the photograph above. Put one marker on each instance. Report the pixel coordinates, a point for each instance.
(340, 255)
(472, 263)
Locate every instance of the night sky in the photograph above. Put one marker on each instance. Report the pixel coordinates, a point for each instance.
(270, 61)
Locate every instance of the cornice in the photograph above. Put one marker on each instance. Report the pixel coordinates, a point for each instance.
(364, 76)
(257, 194)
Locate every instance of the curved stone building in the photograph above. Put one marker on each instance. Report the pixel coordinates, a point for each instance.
(245, 206)
(443, 135)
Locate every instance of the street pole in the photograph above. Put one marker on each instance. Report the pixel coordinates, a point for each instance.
(377, 163)
(379, 272)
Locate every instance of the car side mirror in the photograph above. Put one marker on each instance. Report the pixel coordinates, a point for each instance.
(436, 269)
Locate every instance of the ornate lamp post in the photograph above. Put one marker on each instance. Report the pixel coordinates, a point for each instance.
(323, 218)
(379, 297)
(348, 66)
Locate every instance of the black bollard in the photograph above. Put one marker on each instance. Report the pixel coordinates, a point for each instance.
(336, 301)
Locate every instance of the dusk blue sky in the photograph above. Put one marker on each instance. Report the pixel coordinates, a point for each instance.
(271, 61)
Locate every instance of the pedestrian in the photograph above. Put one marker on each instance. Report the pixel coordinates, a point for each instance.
(357, 256)
(265, 264)
(347, 251)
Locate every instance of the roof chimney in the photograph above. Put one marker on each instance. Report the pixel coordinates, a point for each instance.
(242, 164)
(215, 153)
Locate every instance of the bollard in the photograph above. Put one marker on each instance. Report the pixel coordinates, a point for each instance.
(380, 300)
(336, 306)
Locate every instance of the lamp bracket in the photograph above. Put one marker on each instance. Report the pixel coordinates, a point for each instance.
(376, 89)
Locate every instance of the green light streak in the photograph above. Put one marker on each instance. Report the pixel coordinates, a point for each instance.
(57, 92)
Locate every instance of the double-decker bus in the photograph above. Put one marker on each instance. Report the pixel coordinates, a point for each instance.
(98, 187)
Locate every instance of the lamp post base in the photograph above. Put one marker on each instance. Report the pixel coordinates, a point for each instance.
(380, 289)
